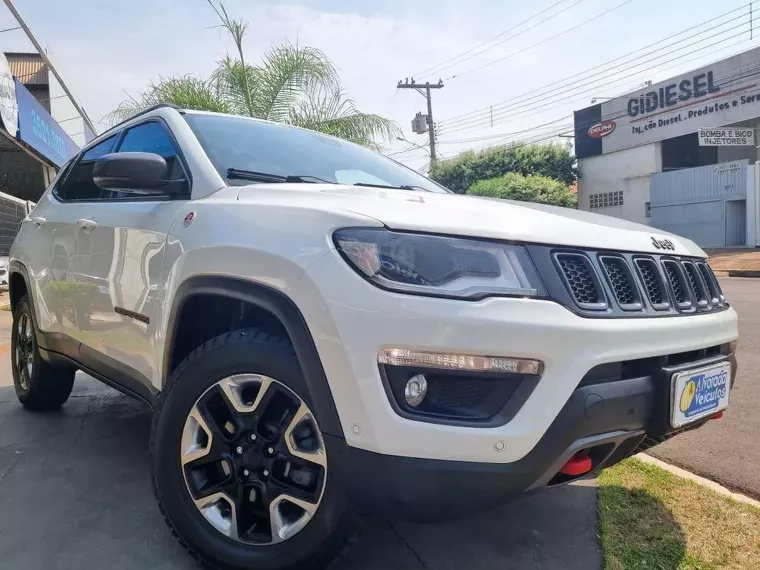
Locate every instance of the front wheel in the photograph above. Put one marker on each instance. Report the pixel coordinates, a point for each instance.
(240, 465)
(39, 385)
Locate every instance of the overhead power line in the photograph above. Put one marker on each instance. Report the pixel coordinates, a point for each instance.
(50, 65)
(562, 94)
(530, 47)
(603, 68)
(539, 107)
(533, 108)
(748, 73)
(495, 139)
(453, 61)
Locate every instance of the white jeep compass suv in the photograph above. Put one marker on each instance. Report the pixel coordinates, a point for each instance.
(320, 329)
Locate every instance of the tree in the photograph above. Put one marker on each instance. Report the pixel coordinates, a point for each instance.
(531, 188)
(292, 84)
(461, 172)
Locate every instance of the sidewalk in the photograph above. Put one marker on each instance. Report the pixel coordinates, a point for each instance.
(739, 262)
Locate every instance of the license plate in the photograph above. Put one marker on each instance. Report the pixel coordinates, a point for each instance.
(699, 393)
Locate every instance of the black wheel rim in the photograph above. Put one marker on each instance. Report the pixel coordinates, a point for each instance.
(253, 459)
(24, 350)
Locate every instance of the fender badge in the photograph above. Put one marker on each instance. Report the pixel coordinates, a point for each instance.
(188, 219)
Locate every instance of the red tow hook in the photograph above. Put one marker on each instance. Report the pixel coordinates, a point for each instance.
(717, 415)
(578, 464)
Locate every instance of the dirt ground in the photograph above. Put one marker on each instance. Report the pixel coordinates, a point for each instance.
(734, 259)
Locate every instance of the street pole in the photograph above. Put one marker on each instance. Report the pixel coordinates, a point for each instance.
(45, 58)
(431, 124)
(427, 86)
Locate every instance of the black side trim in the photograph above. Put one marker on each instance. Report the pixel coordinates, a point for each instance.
(116, 374)
(141, 393)
(286, 311)
(132, 315)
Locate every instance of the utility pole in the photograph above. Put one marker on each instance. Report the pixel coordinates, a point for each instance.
(427, 86)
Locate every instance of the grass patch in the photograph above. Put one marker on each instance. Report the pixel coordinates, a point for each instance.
(652, 519)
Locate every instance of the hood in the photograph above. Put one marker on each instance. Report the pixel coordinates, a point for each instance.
(455, 214)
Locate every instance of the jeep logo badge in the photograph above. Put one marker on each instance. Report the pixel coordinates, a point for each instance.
(663, 244)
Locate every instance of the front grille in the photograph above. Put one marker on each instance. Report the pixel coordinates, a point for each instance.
(623, 284)
(653, 283)
(581, 280)
(698, 289)
(713, 287)
(677, 284)
(620, 280)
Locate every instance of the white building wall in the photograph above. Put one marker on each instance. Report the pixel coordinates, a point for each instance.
(627, 171)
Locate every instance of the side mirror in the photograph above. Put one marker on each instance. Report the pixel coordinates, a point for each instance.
(141, 172)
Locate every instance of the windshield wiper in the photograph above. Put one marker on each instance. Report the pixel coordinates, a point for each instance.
(401, 187)
(252, 175)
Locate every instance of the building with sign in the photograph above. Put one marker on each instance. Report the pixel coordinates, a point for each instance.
(680, 155)
(39, 131)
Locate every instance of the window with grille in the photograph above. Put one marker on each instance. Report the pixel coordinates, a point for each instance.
(606, 199)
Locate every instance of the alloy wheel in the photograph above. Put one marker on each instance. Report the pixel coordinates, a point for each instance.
(24, 350)
(253, 459)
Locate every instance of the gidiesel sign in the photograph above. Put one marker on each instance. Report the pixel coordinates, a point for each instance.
(700, 85)
(723, 93)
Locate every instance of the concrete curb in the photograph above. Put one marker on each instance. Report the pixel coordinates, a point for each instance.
(737, 273)
(712, 485)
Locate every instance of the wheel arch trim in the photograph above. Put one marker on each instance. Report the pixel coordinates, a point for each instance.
(18, 268)
(285, 310)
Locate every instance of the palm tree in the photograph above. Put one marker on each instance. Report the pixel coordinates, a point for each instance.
(292, 84)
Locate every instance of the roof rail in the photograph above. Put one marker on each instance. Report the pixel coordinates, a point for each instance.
(143, 112)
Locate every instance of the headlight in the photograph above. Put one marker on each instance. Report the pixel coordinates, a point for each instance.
(436, 265)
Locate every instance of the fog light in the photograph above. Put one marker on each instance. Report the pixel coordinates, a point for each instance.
(416, 390)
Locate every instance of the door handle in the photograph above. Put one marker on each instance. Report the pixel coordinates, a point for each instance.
(86, 224)
(39, 221)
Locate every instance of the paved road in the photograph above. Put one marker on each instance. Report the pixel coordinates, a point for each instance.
(728, 450)
(75, 493)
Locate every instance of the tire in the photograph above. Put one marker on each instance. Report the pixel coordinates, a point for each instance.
(39, 385)
(248, 357)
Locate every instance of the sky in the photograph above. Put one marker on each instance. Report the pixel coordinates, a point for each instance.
(106, 49)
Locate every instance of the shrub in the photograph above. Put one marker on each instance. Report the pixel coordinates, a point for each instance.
(461, 172)
(513, 186)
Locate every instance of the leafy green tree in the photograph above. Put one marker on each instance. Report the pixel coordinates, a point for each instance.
(531, 188)
(291, 84)
(461, 172)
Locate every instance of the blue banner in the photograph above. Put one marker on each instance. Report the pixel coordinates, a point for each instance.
(40, 131)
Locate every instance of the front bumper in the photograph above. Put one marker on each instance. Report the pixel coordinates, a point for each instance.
(609, 421)
(356, 320)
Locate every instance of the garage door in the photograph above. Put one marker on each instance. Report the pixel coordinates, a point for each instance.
(705, 204)
(702, 222)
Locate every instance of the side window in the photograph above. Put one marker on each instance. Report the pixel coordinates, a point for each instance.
(77, 184)
(153, 137)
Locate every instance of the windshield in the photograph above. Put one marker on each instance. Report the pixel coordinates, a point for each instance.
(237, 144)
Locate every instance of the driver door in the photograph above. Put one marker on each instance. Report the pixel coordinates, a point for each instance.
(119, 256)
